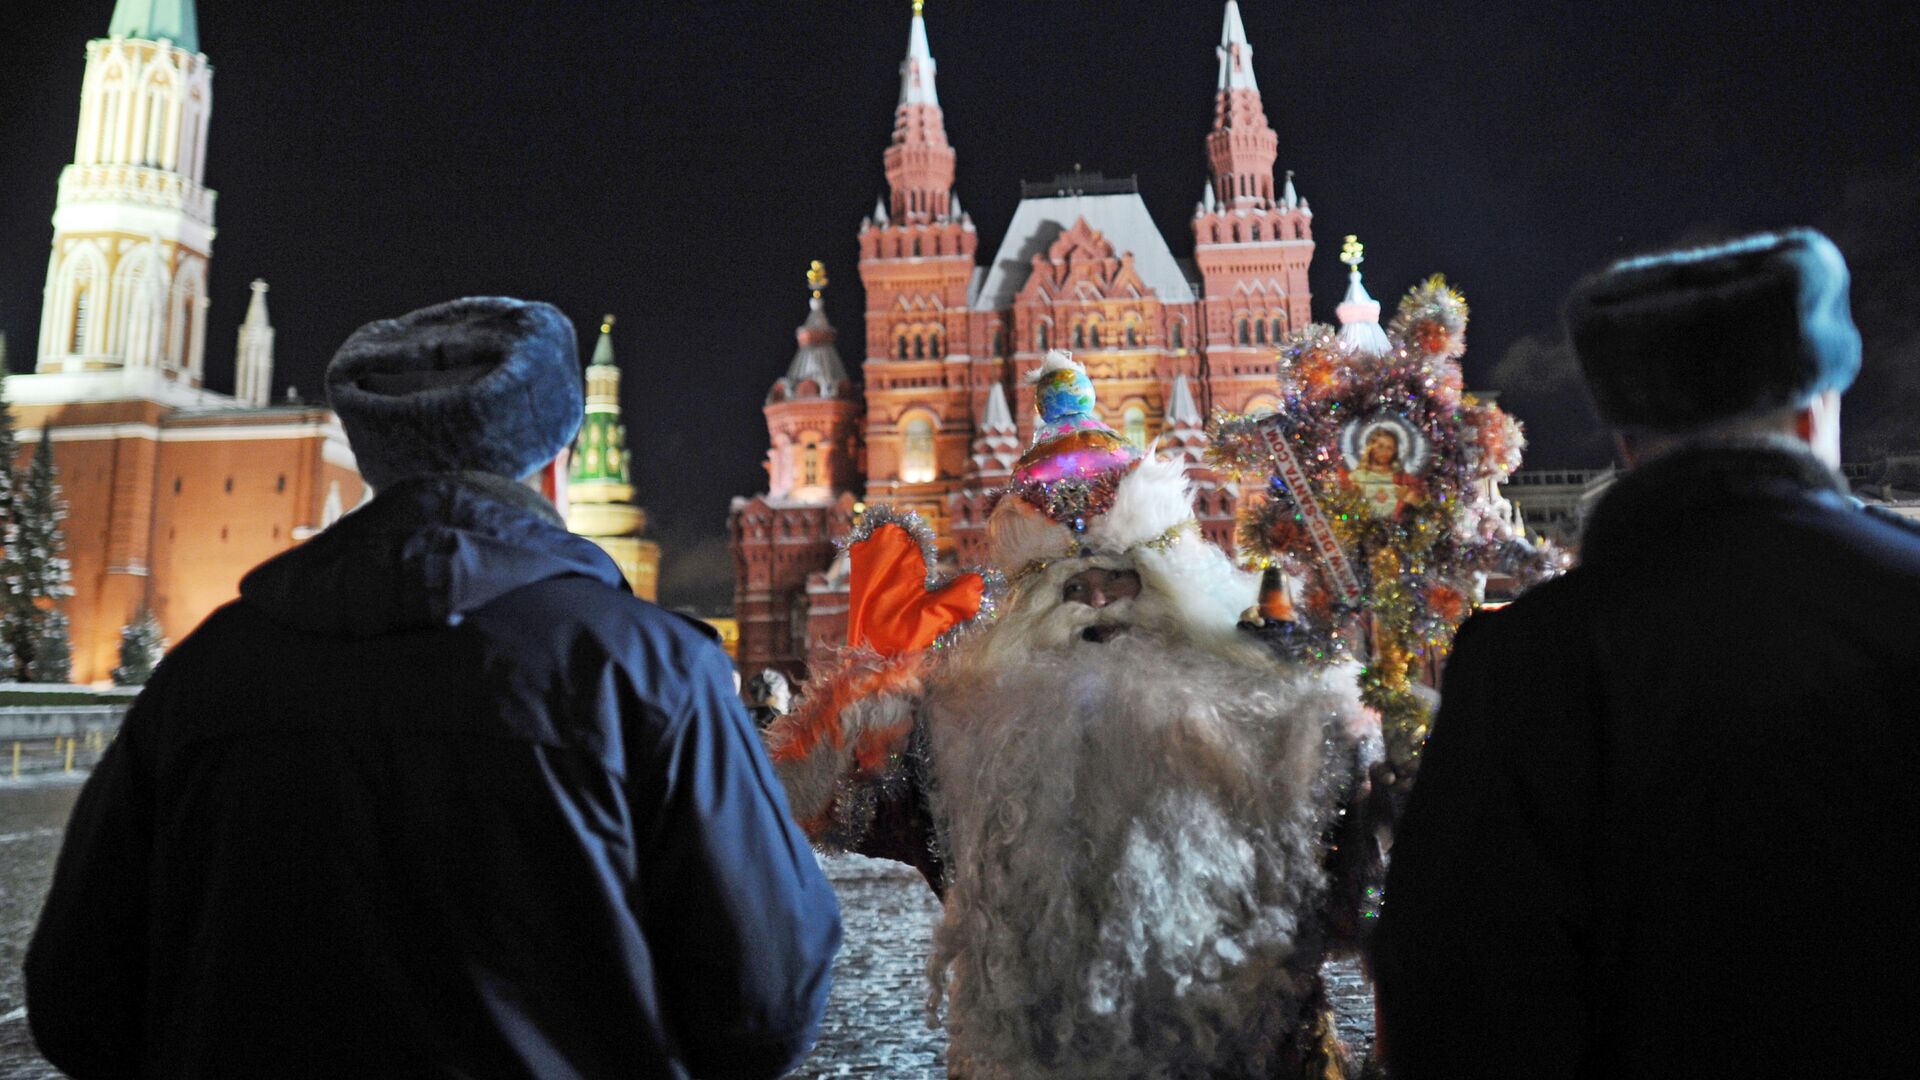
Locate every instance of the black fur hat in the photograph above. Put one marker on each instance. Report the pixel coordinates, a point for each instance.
(486, 384)
(1681, 339)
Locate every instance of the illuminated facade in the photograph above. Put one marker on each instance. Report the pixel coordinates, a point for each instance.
(945, 408)
(173, 491)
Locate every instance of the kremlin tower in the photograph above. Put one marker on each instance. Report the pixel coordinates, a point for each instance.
(600, 481)
(1082, 266)
(173, 490)
(133, 224)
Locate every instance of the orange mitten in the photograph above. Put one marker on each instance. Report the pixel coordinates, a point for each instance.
(890, 608)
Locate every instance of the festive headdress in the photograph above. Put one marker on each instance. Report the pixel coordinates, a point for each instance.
(1681, 339)
(1082, 490)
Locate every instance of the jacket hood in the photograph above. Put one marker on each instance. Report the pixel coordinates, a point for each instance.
(427, 552)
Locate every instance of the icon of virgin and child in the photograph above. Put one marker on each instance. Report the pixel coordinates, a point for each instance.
(1383, 455)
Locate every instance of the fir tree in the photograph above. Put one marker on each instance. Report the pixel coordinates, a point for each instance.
(52, 650)
(141, 645)
(41, 576)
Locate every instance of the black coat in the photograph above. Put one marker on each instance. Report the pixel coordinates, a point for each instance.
(436, 797)
(1660, 824)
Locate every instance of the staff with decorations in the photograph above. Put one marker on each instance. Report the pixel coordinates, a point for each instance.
(1380, 494)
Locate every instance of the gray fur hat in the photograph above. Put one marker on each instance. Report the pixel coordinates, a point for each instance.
(1681, 339)
(485, 384)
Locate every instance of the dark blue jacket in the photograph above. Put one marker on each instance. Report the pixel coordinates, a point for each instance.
(1660, 825)
(435, 797)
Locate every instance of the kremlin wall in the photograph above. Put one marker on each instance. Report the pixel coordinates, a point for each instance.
(174, 490)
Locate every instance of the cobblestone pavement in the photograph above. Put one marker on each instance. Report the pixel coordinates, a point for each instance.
(33, 817)
(875, 1024)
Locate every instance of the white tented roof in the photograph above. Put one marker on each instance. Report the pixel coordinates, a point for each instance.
(1122, 219)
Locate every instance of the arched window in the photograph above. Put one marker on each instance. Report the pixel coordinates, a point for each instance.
(1260, 331)
(1042, 337)
(916, 247)
(1277, 335)
(1256, 230)
(916, 451)
(810, 465)
(919, 347)
(1093, 335)
(1079, 335)
(1133, 336)
(1179, 336)
(1245, 332)
(900, 347)
(1136, 426)
(936, 347)
(82, 313)
(999, 341)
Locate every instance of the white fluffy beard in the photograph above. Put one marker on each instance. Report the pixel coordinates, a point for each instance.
(1134, 841)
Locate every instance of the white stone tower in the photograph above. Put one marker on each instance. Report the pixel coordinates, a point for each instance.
(253, 358)
(133, 223)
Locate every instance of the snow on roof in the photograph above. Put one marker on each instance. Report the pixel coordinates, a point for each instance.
(999, 418)
(1122, 219)
(1181, 410)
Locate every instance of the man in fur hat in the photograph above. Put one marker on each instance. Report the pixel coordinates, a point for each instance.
(1135, 809)
(438, 795)
(1652, 830)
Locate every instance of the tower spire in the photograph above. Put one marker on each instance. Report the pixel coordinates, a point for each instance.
(133, 224)
(253, 357)
(155, 20)
(1236, 54)
(1242, 146)
(600, 503)
(603, 350)
(919, 162)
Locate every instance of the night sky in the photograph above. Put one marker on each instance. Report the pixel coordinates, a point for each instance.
(678, 163)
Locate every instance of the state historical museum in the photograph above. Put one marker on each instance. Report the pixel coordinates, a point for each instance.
(945, 409)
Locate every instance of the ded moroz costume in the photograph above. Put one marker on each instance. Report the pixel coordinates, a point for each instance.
(1135, 810)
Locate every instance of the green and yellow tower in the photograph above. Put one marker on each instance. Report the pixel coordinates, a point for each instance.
(600, 488)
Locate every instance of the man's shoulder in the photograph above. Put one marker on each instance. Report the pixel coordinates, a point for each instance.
(614, 616)
(1563, 603)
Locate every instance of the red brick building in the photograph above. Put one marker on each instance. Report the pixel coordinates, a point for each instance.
(945, 408)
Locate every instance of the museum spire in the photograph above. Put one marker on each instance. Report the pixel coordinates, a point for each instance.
(919, 162)
(1242, 146)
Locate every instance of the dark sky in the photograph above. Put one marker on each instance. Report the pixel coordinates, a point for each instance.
(679, 162)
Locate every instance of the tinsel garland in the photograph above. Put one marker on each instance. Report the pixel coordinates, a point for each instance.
(1421, 566)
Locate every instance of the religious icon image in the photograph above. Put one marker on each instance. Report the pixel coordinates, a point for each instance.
(1384, 454)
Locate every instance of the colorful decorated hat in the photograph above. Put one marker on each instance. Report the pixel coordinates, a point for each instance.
(1082, 489)
(1072, 442)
